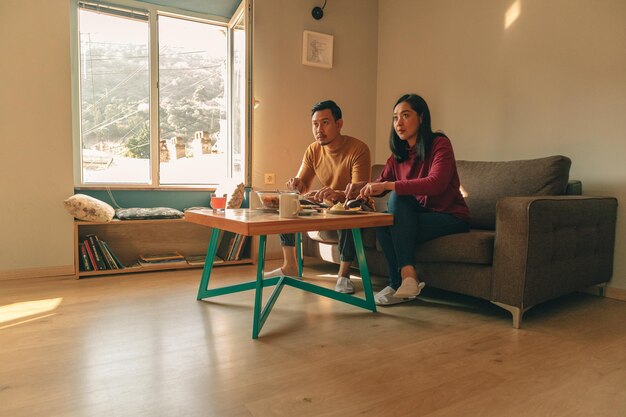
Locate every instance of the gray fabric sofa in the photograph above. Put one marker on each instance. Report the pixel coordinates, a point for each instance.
(534, 236)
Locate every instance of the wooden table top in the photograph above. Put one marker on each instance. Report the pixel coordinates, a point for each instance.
(251, 222)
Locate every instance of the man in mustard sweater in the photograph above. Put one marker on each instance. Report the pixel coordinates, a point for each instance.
(337, 161)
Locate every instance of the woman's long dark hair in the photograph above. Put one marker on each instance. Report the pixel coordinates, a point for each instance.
(425, 135)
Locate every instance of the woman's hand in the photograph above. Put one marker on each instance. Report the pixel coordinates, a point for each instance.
(374, 189)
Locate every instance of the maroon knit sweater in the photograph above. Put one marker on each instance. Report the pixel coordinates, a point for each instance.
(433, 182)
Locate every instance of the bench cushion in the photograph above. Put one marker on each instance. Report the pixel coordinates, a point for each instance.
(141, 213)
(87, 208)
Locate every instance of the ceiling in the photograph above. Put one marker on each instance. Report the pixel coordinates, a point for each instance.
(223, 8)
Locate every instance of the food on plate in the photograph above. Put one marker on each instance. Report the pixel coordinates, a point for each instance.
(340, 207)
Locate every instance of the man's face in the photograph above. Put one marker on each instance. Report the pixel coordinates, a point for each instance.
(325, 128)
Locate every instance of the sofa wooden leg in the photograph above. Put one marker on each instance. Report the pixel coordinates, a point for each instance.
(516, 312)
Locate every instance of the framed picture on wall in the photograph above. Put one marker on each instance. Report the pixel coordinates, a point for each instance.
(317, 49)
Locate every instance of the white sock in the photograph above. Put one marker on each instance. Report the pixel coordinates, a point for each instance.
(409, 288)
(278, 272)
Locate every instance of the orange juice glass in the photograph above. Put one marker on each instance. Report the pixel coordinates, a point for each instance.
(218, 203)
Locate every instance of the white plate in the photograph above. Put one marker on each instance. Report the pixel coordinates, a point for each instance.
(267, 210)
(346, 212)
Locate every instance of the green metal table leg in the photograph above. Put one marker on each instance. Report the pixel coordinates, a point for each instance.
(258, 296)
(261, 316)
(299, 253)
(205, 292)
(208, 264)
(271, 301)
(365, 273)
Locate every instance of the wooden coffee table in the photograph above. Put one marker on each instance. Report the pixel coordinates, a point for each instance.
(251, 222)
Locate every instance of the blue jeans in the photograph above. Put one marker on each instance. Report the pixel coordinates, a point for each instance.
(412, 224)
(346, 244)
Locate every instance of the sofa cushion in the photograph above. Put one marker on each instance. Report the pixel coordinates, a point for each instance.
(486, 182)
(474, 247)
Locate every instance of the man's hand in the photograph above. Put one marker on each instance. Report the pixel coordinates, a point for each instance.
(374, 189)
(296, 184)
(327, 193)
(353, 189)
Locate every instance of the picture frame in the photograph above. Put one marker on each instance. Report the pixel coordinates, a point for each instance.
(317, 49)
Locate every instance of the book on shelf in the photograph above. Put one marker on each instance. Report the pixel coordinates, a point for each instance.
(92, 257)
(106, 256)
(224, 246)
(95, 249)
(240, 249)
(168, 262)
(233, 247)
(162, 257)
(85, 263)
(99, 254)
(113, 256)
(197, 260)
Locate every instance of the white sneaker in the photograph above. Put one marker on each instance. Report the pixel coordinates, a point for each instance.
(386, 297)
(344, 285)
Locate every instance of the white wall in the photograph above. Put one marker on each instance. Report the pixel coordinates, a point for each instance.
(553, 82)
(287, 89)
(35, 136)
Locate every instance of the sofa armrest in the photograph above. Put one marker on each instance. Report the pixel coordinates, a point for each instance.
(548, 246)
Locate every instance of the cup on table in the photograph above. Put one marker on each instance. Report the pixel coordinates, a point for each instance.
(218, 203)
(288, 205)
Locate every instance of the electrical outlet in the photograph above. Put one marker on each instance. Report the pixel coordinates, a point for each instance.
(270, 178)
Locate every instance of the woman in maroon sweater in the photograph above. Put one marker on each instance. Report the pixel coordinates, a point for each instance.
(425, 196)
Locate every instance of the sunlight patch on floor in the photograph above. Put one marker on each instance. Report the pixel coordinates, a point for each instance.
(512, 14)
(24, 309)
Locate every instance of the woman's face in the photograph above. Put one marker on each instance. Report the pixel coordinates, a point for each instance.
(406, 122)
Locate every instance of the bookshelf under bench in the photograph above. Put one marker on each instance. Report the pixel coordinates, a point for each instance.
(129, 239)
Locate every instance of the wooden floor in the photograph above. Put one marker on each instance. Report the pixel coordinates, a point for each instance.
(141, 345)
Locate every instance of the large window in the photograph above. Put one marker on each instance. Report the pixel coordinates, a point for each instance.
(163, 97)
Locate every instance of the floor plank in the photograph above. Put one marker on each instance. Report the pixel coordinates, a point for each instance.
(141, 344)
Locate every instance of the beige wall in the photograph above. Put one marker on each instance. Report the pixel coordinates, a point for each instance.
(554, 82)
(35, 135)
(36, 166)
(286, 89)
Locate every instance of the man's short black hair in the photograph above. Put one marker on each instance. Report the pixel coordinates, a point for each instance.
(330, 105)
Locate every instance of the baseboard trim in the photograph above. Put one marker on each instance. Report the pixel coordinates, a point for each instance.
(615, 293)
(602, 290)
(48, 271)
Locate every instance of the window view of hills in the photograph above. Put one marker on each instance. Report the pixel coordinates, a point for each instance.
(115, 77)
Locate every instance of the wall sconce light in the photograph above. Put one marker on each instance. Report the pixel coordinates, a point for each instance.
(318, 12)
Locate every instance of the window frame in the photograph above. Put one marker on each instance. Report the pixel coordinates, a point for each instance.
(154, 11)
